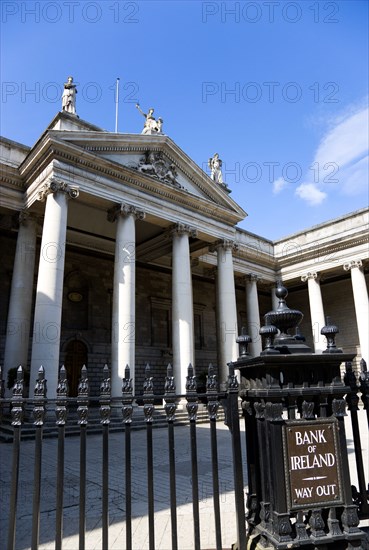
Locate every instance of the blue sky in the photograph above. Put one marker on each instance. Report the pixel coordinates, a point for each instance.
(278, 88)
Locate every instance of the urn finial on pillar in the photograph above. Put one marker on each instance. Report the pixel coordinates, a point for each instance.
(330, 331)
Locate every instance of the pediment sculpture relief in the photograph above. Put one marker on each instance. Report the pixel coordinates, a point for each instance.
(154, 164)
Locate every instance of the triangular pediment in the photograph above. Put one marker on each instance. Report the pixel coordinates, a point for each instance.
(157, 157)
(152, 162)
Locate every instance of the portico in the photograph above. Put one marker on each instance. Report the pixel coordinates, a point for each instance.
(163, 212)
(133, 253)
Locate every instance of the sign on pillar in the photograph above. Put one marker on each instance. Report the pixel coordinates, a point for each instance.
(312, 464)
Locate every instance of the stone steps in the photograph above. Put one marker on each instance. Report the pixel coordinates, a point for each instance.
(94, 426)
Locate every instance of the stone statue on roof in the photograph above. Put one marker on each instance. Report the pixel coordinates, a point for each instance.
(215, 165)
(69, 97)
(152, 126)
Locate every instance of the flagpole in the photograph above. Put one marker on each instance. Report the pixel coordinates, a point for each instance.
(116, 104)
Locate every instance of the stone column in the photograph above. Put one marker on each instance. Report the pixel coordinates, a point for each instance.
(182, 305)
(316, 310)
(253, 314)
(226, 310)
(124, 299)
(360, 292)
(49, 294)
(20, 304)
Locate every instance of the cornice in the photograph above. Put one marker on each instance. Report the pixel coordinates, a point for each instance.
(64, 152)
(10, 176)
(90, 142)
(329, 249)
(12, 182)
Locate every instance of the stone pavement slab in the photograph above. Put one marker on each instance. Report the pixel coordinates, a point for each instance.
(117, 491)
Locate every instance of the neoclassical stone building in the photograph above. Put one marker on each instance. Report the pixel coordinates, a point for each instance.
(119, 249)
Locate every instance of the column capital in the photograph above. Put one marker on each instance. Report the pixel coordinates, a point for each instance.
(226, 244)
(252, 278)
(57, 186)
(125, 210)
(352, 263)
(309, 275)
(183, 229)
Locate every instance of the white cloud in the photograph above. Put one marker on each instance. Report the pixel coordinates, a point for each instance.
(310, 193)
(340, 161)
(345, 142)
(354, 179)
(278, 185)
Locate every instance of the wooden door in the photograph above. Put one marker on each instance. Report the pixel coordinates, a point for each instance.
(75, 358)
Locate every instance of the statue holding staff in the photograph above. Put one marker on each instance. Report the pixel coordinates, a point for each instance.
(69, 97)
(152, 126)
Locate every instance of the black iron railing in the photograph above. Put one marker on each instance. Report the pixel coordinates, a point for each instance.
(66, 410)
(20, 413)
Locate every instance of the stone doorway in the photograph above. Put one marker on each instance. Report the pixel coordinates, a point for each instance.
(75, 358)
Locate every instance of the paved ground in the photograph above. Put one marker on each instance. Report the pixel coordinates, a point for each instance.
(139, 481)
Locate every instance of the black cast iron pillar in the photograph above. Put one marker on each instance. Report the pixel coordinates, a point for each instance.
(293, 403)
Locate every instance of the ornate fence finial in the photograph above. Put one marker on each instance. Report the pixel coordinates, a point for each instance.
(232, 380)
(39, 395)
(211, 391)
(40, 386)
(105, 394)
(127, 396)
(19, 383)
(169, 386)
(170, 394)
(83, 386)
(61, 397)
(82, 398)
(63, 386)
(211, 380)
(191, 394)
(17, 399)
(148, 386)
(148, 397)
(191, 382)
(127, 382)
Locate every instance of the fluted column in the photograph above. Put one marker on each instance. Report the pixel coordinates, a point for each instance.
(227, 310)
(253, 314)
(49, 294)
(20, 304)
(182, 305)
(316, 309)
(124, 306)
(360, 292)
